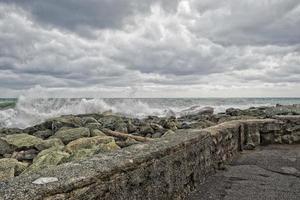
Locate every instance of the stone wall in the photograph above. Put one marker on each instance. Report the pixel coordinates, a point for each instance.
(167, 168)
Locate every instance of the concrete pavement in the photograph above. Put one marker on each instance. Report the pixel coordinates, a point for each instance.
(267, 173)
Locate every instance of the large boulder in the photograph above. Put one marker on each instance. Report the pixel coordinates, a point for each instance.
(86, 147)
(90, 143)
(49, 143)
(48, 158)
(10, 167)
(68, 135)
(21, 141)
(65, 121)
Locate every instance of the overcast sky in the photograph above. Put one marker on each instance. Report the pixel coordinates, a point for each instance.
(150, 48)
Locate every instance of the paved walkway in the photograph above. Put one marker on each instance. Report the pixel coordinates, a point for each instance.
(268, 173)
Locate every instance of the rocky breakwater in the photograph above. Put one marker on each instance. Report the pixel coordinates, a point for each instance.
(74, 138)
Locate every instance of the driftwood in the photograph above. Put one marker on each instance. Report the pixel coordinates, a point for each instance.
(125, 136)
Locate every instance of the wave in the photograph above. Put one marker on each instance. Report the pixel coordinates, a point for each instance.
(30, 111)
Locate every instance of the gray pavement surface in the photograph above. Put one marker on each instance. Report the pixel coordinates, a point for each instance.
(267, 173)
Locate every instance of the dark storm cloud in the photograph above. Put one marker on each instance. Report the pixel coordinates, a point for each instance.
(158, 45)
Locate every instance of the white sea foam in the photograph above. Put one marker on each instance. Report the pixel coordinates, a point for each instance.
(31, 109)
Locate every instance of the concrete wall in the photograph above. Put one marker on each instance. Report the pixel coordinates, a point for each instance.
(167, 168)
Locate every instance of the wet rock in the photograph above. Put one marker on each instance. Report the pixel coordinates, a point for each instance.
(69, 135)
(171, 125)
(198, 110)
(25, 155)
(10, 167)
(43, 134)
(65, 121)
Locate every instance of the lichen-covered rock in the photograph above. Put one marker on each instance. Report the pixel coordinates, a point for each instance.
(86, 147)
(48, 158)
(69, 135)
(18, 141)
(89, 143)
(10, 167)
(146, 129)
(49, 143)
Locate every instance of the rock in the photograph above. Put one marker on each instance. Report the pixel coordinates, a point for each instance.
(146, 129)
(87, 147)
(249, 146)
(10, 167)
(127, 142)
(171, 125)
(49, 143)
(65, 121)
(198, 110)
(157, 127)
(43, 134)
(287, 139)
(18, 142)
(267, 138)
(157, 135)
(93, 126)
(45, 180)
(233, 111)
(201, 124)
(89, 143)
(131, 128)
(96, 132)
(69, 135)
(110, 121)
(296, 137)
(169, 132)
(121, 127)
(46, 159)
(25, 155)
(88, 120)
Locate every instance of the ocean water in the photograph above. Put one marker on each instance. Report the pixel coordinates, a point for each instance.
(26, 111)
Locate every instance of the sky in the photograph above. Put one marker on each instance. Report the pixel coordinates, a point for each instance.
(150, 48)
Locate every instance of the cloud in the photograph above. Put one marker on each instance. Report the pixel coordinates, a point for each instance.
(150, 48)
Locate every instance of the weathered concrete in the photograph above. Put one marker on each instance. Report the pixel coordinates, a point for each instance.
(168, 168)
(269, 173)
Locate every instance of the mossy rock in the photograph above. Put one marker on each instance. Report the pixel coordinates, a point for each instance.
(18, 141)
(97, 132)
(69, 135)
(10, 167)
(88, 143)
(46, 144)
(48, 158)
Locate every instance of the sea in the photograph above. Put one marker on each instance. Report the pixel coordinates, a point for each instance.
(24, 111)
